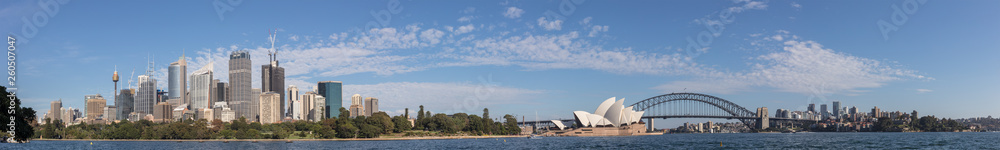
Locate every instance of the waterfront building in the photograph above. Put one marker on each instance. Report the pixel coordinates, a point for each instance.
(332, 92)
(356, 108)
(201, 88)
(269, 107)
(145, 96)
(609, 113)
(177, 82)
(95, 108)
(56, 110)
(371, 106)
(273, 80)
(240, 84)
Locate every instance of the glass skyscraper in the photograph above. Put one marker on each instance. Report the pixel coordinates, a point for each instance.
(332, 91)
(177, 82)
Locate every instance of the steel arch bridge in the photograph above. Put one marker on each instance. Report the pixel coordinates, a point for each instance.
(694, 105)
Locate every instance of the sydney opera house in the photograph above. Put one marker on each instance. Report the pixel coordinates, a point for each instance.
(610, 119)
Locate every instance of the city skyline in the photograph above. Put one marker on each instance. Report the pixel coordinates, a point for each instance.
(520, 57)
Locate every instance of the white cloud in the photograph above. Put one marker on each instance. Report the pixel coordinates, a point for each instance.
(432, 35)
(550, 25)
(796, 5)
(586, 21)
(924, 90)
(448, 97)
(465, 29)
(465, 19)
(802, 66)
(596, 30)
(513, 12)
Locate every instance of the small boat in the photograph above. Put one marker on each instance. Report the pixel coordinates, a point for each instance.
(533, 136)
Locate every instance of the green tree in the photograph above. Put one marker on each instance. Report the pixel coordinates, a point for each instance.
(23, 117)
(382, 120)
(369, 131)
(402, 124)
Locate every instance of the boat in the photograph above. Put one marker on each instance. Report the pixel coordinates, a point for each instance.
(534, 136)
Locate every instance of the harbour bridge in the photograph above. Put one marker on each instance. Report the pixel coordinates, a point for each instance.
(694, 105)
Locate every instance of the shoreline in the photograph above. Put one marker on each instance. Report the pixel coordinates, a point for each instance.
(251, 140)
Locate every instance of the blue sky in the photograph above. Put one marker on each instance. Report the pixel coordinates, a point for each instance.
(515, 58)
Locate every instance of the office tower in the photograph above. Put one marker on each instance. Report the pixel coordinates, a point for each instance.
(853, 110)
(239, 85)
(371, 106)
(254, 105)
(319, 108)
(812, 107)
(56, 111)
(269, 107)
(177, 82)
(836, 109)
(297, 110)
(221, 91)
(65, 115)
(272, 79)
(823, 111)
(162, 112)
(293, 95)
(201, 88)
(357, 108)
(110, 113)
(308, 103)
(331, 91)
(95, 107)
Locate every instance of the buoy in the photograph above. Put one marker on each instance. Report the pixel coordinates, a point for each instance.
(720, 144)
(504, 140)
(91, 143)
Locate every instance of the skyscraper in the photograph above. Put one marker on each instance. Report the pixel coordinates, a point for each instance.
(125, 101)
(145, 96)
(111, 113)
(823, 111)
(162, 112)
(357, 108)
(254, 112)
(201, 88)
(293, 95)
(56, 111)
(812, 107)
(177, 82)
(273, 80)
(308, 104)
(296, 110)
(371, 106)
(836, 109)
(239, 84)
(269, 107)
(221, 91)
(331, 91)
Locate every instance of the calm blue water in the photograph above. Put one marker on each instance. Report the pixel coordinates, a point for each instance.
(668, 141)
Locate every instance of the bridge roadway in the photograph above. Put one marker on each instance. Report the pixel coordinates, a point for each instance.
(569, 122)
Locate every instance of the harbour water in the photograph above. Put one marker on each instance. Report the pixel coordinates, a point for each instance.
(944, 140)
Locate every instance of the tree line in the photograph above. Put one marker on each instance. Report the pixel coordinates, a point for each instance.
(343, 126)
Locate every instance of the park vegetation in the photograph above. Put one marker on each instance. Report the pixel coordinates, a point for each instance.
(377, 125)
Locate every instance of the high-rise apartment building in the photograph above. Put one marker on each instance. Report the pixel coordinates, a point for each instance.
(269, 107)
(357, 107)
(95, 108)
(292, 96)
(836, 109)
